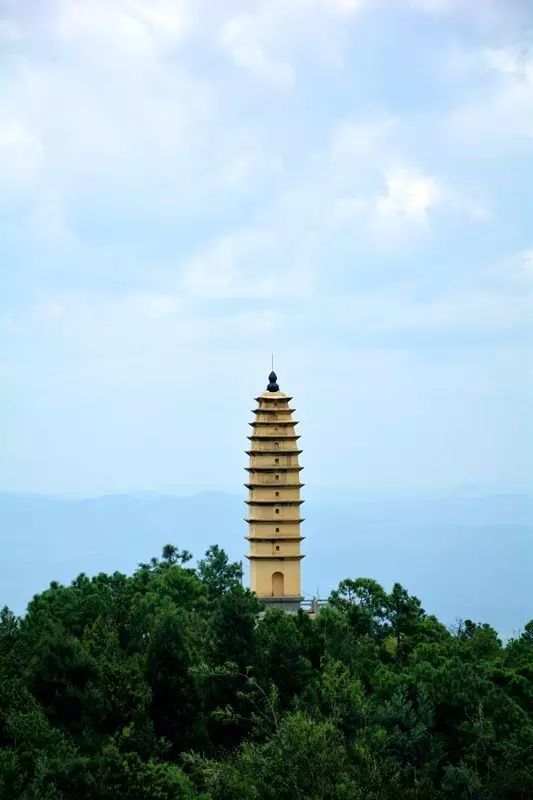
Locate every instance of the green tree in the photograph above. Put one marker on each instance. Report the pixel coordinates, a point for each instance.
(364, 602)
(282, 657)
(176, 703)
(305, 759)
(217, 572)
(404, 614)
(173, 683)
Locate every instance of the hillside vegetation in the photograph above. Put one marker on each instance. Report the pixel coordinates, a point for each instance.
(166, 685)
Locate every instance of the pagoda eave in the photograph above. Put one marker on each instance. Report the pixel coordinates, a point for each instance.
(273, 452)
(274, 468)
(274, 521)
(283, 422)
(273, 557)
(275, 538)
(291, 437)
(273, 398)
(276, 485)
(272, 411)
(277, 501)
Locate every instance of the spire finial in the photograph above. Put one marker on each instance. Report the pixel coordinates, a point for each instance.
(272, 380)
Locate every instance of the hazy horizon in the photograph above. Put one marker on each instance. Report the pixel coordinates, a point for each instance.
(465, 556)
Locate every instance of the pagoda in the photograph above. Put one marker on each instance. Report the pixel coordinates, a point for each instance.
(274, 501)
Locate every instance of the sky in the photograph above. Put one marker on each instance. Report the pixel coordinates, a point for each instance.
(187, 187)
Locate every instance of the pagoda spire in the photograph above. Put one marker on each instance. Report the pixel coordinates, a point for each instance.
(274, 501)
(272, 382)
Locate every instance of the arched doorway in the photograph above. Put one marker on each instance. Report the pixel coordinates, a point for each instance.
(278, 584)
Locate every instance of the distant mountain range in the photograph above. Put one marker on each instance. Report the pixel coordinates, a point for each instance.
(465, 556)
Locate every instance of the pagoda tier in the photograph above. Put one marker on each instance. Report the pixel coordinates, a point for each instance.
(272, 532)
(272, 557)
(274, 468)
(273, 410)
(274, 500)
(281, 422)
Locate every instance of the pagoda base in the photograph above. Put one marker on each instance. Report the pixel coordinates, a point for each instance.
(288, 603)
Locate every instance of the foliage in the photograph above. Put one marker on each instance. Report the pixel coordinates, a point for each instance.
(173, 683)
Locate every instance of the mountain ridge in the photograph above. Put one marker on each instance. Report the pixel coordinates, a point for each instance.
(465, 556)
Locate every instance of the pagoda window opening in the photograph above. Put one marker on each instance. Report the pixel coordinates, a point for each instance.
(277, 477)
(277, 494)
(277, 547)
(276, 460)
(277, 530)
(278, 584)
(277, 510)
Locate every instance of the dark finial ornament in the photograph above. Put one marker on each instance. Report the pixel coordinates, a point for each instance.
(272, 382)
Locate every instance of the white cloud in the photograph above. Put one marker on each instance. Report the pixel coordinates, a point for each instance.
(515, 273)
(503, 117)
(400, 201)
(101, 106)
(468, 311)
(482, 11)
(245, 161)
(251, 264)
(135, 337)
(342, 6)
(21, 151)
(527, 262)
(356, 145)
(374, 182)
(47, 224)
(434, 6)
(509, 62)
(84, 129)
(246, 38)
(227, 269)
(268, 39)
(128, 27)
(409, 195)
(364, 185)
(9, 31)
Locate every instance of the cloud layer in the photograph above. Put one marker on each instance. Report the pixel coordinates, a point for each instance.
(187, 187)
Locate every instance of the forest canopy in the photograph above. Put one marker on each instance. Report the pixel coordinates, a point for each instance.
(174, 683)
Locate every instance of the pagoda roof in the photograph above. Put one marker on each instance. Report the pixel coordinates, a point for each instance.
(274, 468)
(274, 556)
(277, 398)
(275, 537)
(281, 436)
(276, 502)
(273, 452)
(286, 422)
(296, 521)
(275, 485)
(272, 410)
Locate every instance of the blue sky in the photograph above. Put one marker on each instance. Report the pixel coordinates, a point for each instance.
(188, 186)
